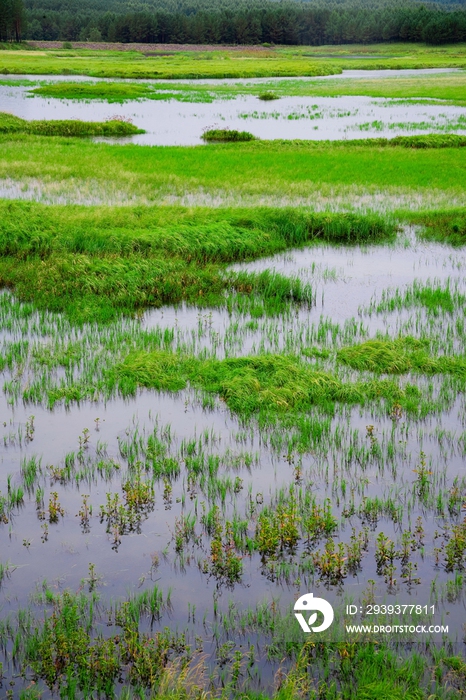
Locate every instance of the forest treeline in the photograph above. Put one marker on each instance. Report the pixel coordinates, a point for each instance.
(12, 20)
(312, 22)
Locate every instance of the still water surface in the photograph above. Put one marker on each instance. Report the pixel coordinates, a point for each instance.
(316, 118)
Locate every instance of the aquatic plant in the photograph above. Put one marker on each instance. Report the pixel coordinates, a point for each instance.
(400, 356)
(267, 383)
(227, 135)
(66, 260)
(10, 124)
(268, 96)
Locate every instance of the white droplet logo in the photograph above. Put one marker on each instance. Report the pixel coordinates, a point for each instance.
(308, 604)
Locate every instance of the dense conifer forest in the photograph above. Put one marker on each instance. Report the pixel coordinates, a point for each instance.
(315, 22)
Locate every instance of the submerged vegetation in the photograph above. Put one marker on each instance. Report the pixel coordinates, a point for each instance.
(336, 175)
(209, 411)
(449, 87)
(10, 124)
(65, 655)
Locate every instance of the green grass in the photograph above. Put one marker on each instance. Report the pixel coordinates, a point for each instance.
(435, 300)
(61, 645)
(130, 64)
(110, 92)
(260, 171)
(93, 263)
(221, 63)
(268, 96)
(418, 141)
(399, 357)
(333, 472)
(227, 135)
(449, 88)
(249, 385)
(443, 226)
(10, 124)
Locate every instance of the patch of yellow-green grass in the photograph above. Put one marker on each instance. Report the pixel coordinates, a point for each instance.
(318, 175)
(9, 124)
(399, 357)
(248, 385)
(221, 63)
(131, 64)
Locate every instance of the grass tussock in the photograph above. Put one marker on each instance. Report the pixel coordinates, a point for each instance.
(96, 262)
(268, 96)
(399, 357)
(442, 226)
(9, 124)
(249, 385)
(228, 135)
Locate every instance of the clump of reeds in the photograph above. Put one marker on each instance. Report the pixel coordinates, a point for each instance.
(398, 357)
(10, 124)
(268, 96)
(227, 135)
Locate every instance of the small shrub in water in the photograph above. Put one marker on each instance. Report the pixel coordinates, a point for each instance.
(268, 96)
(227, 135)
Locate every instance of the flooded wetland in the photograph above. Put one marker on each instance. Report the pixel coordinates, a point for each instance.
(233, 374)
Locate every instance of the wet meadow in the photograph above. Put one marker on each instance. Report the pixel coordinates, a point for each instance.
(232, 374)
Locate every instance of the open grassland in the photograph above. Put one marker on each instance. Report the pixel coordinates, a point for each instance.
(117, 64)
(222, 63)
(322, 175)
(450, 88)
(444, 87)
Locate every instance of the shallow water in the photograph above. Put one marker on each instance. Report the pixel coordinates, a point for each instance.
(386, 72)
(346, 281)
(314, 118)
